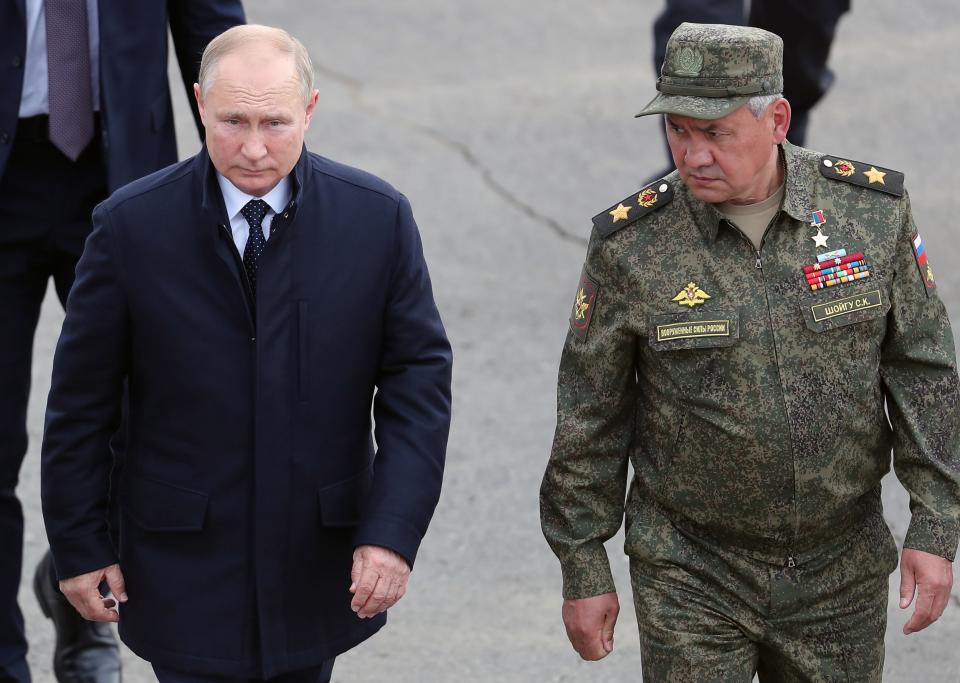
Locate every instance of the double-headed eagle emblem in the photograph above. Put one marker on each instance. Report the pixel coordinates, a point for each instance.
(691, 296)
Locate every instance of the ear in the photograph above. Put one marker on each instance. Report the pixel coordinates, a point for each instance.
(200, 107)
(780, 115)
(312, 105)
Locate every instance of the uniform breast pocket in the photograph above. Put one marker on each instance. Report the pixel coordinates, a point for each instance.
(846, 305)
(678, 331)
(687, 374)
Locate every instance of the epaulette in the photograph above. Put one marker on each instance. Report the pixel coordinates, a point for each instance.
(658, 194)
(865, 175)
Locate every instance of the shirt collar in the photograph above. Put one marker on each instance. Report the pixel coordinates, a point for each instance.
(235, 199)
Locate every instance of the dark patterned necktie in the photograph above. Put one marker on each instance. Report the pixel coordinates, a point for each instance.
(254, 211)
(68, 76)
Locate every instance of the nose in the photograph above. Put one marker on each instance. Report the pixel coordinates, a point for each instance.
(697, 154)
(253, 148)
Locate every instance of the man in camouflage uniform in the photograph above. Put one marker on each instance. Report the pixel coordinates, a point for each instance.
(744, 368)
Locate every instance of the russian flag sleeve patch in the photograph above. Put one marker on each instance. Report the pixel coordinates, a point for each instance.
(926, 273)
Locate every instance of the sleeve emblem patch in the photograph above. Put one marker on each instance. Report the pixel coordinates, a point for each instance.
(583, 306)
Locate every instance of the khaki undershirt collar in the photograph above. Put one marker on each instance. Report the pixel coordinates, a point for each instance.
(753, 219)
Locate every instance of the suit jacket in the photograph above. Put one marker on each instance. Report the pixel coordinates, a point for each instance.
(136, 116)
(251, 472)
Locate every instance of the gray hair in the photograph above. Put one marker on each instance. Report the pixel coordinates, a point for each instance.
(758, 104)
(233, 38)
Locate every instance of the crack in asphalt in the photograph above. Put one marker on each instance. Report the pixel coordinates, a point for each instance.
(355, 89)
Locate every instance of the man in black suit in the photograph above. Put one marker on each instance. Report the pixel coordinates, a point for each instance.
(259, 302)
(84, 109)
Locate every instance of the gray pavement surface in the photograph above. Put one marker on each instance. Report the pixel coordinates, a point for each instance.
(509, 125)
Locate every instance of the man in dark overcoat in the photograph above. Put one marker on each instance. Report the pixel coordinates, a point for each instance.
(264, 306)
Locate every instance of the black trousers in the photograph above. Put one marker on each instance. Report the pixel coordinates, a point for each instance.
(806, 26)
(319, 674)
(45, 206)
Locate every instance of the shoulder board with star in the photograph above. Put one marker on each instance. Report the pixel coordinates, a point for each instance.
(656, 195)
(865, 175)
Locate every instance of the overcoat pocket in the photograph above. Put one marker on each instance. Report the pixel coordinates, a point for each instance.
(158, 506)
(342, 504)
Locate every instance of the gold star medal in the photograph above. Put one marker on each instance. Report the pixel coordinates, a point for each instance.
(691, 295)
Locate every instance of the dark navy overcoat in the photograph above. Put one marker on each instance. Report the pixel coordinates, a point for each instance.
(266, 438)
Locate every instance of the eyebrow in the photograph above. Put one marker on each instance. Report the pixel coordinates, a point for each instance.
(708, 128)
(269, 116)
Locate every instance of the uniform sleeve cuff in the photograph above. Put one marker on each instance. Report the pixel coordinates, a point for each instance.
(587, 573)
(935, 535)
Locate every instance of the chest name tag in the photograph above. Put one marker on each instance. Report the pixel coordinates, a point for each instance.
(693, 330)
(850, 304)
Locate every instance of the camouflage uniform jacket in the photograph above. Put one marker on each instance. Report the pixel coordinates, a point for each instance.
(755, 416)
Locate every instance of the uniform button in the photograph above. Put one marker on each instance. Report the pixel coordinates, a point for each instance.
(17, 62)
(4, 138)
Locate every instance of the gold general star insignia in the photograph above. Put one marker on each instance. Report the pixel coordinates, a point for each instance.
(875, 176)
(620, 213)
(691, 296)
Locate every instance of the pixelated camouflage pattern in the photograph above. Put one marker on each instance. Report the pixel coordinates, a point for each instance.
(711, 69)
(772, 444)
(707, 613)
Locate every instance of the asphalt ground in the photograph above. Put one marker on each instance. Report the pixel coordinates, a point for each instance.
(509, 125)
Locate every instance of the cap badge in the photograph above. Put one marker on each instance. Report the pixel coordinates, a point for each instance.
(688, 62)
(647, 198)
(691, 296)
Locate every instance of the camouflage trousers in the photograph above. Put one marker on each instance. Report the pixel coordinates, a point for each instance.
(711, 614)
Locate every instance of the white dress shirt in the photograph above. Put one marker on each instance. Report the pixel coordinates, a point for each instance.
(235, 199)
(34, 98)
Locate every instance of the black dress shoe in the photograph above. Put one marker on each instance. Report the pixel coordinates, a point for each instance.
(86, 651)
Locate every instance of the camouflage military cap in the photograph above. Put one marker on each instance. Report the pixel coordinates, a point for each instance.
(710, 70)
